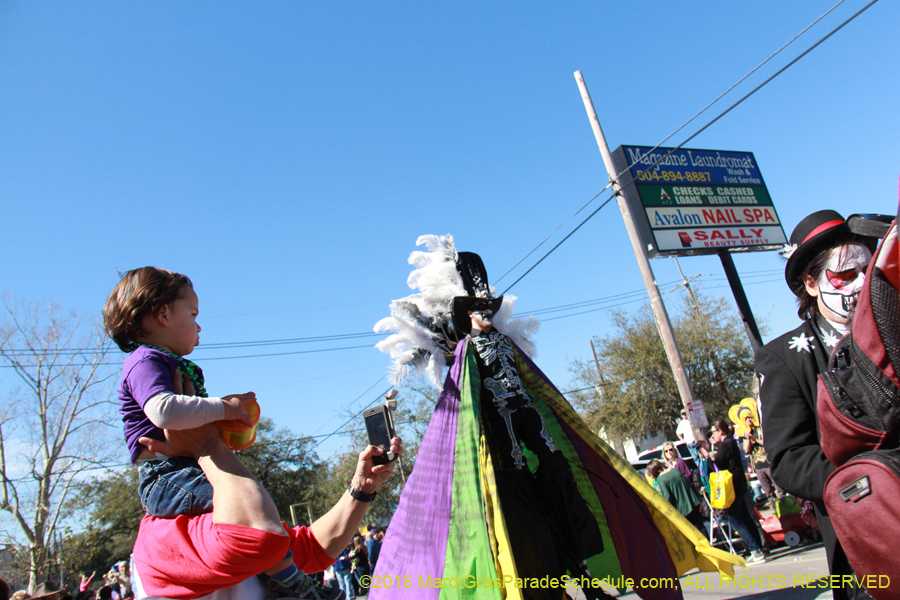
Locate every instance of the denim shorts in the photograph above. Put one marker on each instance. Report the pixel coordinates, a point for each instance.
(174, 486)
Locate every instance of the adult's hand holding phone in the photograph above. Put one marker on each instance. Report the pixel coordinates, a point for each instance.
(368, 475)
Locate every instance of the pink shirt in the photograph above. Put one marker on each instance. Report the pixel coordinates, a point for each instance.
(190, 557)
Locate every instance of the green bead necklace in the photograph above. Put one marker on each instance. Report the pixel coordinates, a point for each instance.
(188, 367)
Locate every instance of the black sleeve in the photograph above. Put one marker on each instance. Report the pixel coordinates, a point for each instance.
(723, 456)
(789, 427)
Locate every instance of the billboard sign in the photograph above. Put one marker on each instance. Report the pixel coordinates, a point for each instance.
(687, 202)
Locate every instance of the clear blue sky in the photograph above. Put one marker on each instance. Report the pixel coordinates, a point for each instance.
(286, 156)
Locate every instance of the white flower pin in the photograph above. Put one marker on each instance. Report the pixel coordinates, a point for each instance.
(800, 342)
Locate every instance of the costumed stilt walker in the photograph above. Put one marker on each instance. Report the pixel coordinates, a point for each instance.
(511, 492)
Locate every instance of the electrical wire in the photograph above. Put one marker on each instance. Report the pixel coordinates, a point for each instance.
(698, 132)
(664, 140)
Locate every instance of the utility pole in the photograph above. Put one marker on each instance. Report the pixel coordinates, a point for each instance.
(659, 309)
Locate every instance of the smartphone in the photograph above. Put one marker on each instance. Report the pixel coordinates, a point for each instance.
(381, 431)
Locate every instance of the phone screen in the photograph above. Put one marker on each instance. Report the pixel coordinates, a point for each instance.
(380, 434)
(376, 425)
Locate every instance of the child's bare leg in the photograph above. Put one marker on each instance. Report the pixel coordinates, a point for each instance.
(284, 564)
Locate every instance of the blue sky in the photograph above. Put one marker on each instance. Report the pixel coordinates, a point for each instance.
(286, 156)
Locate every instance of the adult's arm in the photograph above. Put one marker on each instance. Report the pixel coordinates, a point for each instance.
(792, 440)
(336, 528)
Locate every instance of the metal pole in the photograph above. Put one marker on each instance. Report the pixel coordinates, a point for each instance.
(656, 302)
(743, 305)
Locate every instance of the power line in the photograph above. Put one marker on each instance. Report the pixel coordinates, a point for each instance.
(698, 132)
(623, 298)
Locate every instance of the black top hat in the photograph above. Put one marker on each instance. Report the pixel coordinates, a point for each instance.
(475, 280)
(820, 230)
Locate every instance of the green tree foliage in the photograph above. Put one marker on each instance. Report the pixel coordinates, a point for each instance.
(636, 391)
(54, 425)
(113, 512)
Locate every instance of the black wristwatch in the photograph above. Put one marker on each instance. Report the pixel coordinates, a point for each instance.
(360, 496)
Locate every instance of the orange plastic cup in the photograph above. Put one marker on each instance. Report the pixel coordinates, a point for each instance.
(236, 434)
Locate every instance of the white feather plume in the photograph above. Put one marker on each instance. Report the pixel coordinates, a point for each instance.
(518, 329)
(421, 323)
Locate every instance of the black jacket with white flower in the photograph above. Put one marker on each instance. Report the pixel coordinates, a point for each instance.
(787, 368)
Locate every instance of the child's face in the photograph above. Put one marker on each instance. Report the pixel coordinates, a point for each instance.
(183, 332)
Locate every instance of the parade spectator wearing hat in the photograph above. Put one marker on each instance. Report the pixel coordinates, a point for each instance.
(827, 259)
(373, 546)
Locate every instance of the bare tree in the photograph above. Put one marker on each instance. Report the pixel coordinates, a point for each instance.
(55, 423)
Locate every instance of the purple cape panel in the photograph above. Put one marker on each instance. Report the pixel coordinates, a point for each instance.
(641, 549)
(416, 541)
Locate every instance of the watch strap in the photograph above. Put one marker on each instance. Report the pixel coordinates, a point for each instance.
(360, 496)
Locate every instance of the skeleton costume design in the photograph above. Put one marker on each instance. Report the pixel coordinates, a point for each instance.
(501, 380)
(509, 482)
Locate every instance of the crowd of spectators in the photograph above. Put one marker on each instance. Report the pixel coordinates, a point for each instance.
(116, 585)
(349, 572)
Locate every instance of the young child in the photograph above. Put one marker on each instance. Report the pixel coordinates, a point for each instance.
(152, 314)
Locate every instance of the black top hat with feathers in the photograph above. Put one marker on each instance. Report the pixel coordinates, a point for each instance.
(475, 280)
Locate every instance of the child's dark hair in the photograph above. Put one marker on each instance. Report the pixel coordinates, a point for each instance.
(140, 292)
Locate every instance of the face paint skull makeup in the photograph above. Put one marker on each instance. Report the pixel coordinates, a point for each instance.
(482, 315)
(843, 277)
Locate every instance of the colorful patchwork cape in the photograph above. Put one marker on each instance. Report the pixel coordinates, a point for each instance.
(448, 538)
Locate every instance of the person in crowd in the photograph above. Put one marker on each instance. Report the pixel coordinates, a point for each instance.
(673, 486)
(756, 451)
(359, 557)
(343, 568)
(827, 260)
(85, 583)
(329, 578)
(373, 546)
(684, 432)
(215, 556)
(728, 458)
(673, 460)
(703, 458)
(152, 314)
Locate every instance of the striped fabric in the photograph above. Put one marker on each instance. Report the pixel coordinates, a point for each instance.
(448, 539)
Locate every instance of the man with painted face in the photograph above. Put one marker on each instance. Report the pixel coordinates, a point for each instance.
(826, 267)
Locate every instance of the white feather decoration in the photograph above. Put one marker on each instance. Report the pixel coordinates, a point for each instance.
(421, 323)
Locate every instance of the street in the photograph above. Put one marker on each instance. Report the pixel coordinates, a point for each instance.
(777, 579)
